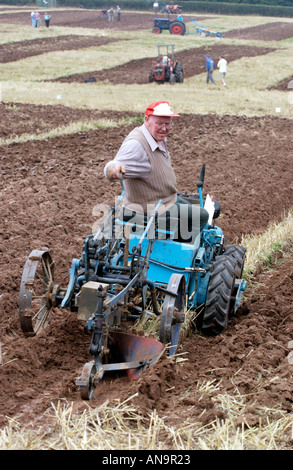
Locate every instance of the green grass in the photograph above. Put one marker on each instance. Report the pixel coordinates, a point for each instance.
(264, 250)
(247, 78)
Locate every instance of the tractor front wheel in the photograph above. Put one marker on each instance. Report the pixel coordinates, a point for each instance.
(37, 292)
(172, 78)
(87, 382)
(151, 76)
(179, 74)
(157, 30)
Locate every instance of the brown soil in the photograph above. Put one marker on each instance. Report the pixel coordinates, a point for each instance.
(17, 118)
(132, 21)
(193, 61)
(48, 192)
(285, 85)
(21, 50)
(276, 31)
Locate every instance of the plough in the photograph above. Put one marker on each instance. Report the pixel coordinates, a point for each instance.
(203, 31)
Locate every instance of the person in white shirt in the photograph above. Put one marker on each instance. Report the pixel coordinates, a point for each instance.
(33, 19)
(222, 66)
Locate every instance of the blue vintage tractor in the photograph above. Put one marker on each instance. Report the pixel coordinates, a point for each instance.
(177, 26)
(129, 272)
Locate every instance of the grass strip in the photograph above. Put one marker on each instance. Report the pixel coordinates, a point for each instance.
(72, 128)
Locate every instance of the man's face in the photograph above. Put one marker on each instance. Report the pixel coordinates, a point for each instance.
(158, 126)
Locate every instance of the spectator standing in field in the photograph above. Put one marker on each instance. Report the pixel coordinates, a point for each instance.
(210, 66)
(156, 7)
(33, 19)
(104, 13)
(111, 14)
(222, 66)
(37, 19)
(47, 19)
(118, 9)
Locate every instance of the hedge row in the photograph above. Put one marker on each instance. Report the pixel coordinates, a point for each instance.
(238, 8)
(18, 3)
(282, 3)
(260, 8)
(189, 6)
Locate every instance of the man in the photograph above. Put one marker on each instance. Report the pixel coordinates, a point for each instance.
(37, 19)
(33, 19)
(210, 66)
(111, 14)
(144, 161)
(47, 18)
(118, 9)
(222, 66)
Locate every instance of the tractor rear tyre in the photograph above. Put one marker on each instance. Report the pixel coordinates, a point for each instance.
(179, 74)
(237, 252)
(177, 27)
(219, 295)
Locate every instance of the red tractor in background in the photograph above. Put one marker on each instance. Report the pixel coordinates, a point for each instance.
(165, 68)
(173, 9)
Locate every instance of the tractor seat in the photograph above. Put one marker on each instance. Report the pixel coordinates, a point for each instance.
(165, 228)
(194, 199)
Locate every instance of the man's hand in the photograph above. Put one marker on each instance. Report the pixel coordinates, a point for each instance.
(114, 171)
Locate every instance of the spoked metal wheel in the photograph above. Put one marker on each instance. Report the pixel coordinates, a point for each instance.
(37, 292)
(91, 374)
(173, 312)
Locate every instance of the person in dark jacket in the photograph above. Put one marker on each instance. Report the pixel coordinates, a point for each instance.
(210, 66)
(47, 18)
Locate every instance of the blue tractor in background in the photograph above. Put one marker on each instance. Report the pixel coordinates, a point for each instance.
(127, 273)
(173, 26)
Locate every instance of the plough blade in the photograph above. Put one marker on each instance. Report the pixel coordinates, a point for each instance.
(132, 353)
(138, 352)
